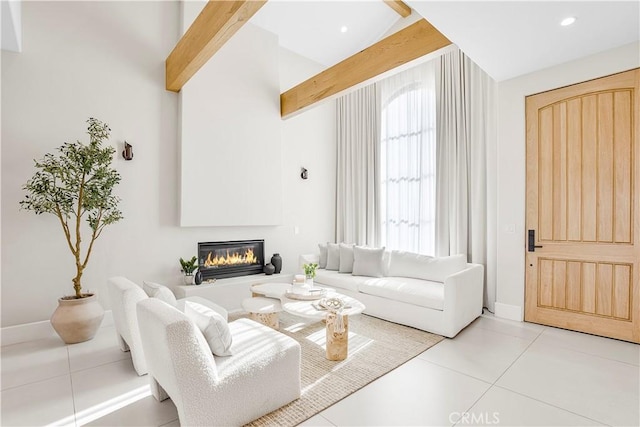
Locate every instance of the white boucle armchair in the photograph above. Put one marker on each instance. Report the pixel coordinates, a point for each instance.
(124, 295)
(261, 375)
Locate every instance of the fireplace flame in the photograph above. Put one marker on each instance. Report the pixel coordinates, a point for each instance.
(231, 259)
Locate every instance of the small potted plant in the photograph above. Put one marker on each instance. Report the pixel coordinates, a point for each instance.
(310, 272)
(76, 185)
(188, 269)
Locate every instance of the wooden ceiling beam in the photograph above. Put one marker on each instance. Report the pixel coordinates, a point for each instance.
(214, 26)
(399, 6)
(412, 42)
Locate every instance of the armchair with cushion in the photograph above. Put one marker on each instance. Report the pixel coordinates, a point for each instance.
(261, 374)
(124, 295)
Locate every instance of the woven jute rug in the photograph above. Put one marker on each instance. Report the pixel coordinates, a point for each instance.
(375, 348)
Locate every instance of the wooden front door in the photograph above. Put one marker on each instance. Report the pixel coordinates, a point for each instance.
(583, 207)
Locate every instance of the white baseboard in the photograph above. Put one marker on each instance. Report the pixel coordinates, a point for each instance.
(508, 311)
(38, 330)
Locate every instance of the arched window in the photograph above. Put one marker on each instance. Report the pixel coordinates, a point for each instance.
(408, 160)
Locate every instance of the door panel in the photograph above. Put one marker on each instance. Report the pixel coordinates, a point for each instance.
(582, 181)
(588, 142)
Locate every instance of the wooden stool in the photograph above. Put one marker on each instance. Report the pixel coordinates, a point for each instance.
(337, 342)
(263, 310)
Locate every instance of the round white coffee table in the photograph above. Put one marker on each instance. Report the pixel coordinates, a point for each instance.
(270, 289)
(337, 338)
(263, 310)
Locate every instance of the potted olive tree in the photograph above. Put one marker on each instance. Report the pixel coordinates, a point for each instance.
(76, 185)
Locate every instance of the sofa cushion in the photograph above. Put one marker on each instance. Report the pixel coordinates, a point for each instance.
(212, 325)
(322, 261)
(411, 291)
(443, 267)
(409, 264)
(333, 256)
(334, 279)
(155, 290)
(368, 261)
(346, 258)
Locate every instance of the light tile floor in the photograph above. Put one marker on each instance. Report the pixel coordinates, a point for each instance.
(495, 372)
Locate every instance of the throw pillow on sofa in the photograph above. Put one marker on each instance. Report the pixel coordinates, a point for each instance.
(443, 267)
(346, 258)
(322, 262)
(333, 256)
(409, 264)
(368, 261)
(212, 325)
(155, 290)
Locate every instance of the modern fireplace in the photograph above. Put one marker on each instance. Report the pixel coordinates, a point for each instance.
(230, 259)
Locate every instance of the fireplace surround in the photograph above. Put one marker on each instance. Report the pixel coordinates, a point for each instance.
(231, 258)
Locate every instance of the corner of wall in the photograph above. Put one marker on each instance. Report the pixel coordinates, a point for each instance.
(508, 311)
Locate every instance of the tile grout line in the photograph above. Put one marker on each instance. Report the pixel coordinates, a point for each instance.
(34, 382)
(541, 401)
(474, 377)
(510, 335)
(175, 419)
(455, 370)
(327, 419)
(552, 405)
(98, 366)
(466, 375)
(518, 358)
(491, 385)
(596, 355)
(73, 394)
(62, 375)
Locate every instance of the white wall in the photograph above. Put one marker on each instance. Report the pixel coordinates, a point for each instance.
(106, 60)
(511, 161)
(231, 135)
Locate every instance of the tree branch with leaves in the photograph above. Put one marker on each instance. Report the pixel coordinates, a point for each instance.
(77, 185)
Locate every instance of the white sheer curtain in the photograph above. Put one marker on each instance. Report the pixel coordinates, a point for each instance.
(408, 160)
(358, 137)
(465, 123)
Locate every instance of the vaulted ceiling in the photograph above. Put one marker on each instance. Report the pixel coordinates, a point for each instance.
(218, 21)
(313, 28)
(505, 38)
(512, 38)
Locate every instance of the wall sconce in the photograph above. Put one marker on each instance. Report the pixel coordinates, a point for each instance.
(127, 153)
(304, 174)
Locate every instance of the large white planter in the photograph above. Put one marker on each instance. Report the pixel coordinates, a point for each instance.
(77, 320)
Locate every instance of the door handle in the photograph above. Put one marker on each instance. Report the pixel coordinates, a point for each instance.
(531, 244)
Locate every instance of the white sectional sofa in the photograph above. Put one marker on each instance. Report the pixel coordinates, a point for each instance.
(438, 295)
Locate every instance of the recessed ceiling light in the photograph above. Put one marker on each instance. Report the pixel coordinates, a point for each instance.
(568, 21)
(344, 29)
